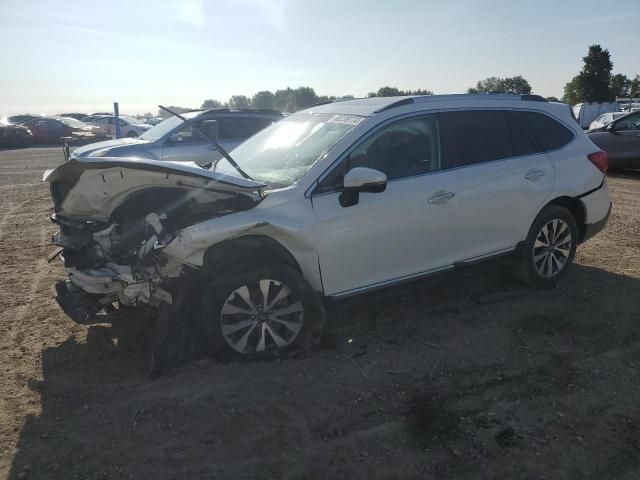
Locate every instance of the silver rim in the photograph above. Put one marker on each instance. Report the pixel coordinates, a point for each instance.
(552, 248)
(260, 317)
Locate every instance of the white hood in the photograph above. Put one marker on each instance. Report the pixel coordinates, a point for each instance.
(93, 187)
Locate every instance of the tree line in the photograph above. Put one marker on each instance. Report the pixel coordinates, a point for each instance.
(594, 83)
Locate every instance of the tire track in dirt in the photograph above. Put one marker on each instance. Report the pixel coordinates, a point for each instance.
(11, 212)
(36, 279)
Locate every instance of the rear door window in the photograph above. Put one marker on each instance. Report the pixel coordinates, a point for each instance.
(475, 136)
(522, 144)
(547, 133)
(241, 128)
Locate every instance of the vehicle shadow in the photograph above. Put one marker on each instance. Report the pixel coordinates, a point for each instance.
(94, 422)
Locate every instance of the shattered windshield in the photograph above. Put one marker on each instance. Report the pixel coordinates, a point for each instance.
(282, 153)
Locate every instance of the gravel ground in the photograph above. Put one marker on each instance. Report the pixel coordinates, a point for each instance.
(469, 375)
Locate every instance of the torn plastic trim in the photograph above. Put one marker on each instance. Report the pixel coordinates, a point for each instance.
(116, 282)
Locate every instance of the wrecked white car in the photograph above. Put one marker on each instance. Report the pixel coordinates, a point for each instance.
(333, 201)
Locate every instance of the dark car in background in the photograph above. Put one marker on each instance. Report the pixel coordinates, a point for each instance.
(54, 129)
(14, 135)
(20, 119)
(621, 140)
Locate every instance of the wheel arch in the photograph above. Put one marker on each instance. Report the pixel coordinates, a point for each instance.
(576, 208)
(239, 251)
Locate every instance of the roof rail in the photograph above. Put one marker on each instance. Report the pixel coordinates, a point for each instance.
(244, 110)
(532, 98)
(399, 103)
(316, 105)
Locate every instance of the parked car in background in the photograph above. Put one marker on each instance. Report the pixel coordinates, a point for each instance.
(129, 126)
(621, 140)
(53, 129)
(605, 119)
(77, 116)
(12, 135)
(20, 119)
(585, 113)
(332, 201)
(174, 140)
(153, 120)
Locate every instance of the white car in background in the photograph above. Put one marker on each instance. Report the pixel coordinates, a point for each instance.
(129, 126)
(606, 119)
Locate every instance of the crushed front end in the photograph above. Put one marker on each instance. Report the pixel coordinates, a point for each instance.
(117, 216)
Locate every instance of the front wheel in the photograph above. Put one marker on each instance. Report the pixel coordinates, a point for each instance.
(260, 314)
(549, 248)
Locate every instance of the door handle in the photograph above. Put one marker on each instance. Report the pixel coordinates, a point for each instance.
(534, 174)
(441, 198)
(212, 147)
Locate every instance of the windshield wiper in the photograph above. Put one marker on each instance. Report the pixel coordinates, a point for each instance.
(224, 153)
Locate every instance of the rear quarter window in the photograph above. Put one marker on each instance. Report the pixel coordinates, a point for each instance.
(547, 133)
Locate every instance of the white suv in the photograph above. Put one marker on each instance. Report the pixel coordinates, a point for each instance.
(129, 127)
(335, 200)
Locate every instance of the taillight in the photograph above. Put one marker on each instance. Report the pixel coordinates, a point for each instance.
(600, 159)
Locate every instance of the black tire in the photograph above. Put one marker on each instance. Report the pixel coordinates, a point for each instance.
(223, 291)
(132, 134)
(527, 269)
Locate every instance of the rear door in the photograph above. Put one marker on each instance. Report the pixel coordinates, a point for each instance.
(502, 179)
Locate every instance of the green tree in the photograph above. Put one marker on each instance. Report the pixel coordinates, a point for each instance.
(595, 75)
(263, 99)
(573, 91)
(634, 87)
(517, 85)
(618, 86)
(419, 92)
(592, 83)
(388, 92)
(239, 102)
(304, 97)
(211, 104)
(396, 92)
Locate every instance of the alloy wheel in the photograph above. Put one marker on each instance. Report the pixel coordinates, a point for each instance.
(261, 316)
(552, 248)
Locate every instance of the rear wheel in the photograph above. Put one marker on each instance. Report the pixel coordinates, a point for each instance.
(549, 248)
(265, 313)
(132, 134)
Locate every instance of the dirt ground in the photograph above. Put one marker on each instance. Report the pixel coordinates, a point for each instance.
(469, 375)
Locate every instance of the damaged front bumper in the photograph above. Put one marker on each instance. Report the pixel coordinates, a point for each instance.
(116, 282)
(96, 282)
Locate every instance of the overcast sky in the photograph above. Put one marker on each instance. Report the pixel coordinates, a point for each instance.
(82, 55)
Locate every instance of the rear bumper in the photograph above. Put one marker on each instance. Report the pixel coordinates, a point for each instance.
(595, 228)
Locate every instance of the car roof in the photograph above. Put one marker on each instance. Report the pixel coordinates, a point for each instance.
(370, 106)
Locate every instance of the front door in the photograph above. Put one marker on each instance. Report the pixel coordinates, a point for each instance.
(400, 233)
